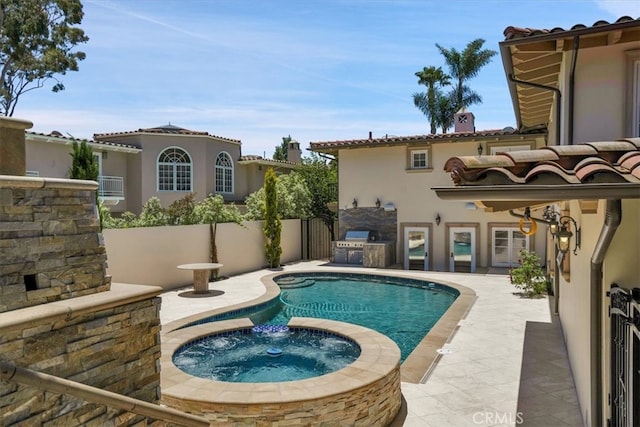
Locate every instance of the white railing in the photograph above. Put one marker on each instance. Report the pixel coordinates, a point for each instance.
(111, 186)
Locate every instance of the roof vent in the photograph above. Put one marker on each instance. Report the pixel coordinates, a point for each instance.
(508, 129)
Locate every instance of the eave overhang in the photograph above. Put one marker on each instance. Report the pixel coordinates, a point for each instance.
(536, 57)
(496, 198)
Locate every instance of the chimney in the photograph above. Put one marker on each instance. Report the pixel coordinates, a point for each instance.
(294, 154)
(464, 121)
(370, 135)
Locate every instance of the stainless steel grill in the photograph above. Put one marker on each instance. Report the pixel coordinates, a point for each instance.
(350, 250)
(355, 239)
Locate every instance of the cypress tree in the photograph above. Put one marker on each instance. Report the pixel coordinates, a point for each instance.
(272, 225)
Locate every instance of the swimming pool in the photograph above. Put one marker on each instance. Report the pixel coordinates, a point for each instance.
(266, 355)
(403, 309)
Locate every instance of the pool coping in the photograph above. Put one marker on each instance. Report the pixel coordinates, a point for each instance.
(379, 357)
(416, 367)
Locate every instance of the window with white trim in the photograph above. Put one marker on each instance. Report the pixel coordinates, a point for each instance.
(224, 173)
(419, 159)
(632, 91)
(174, 170)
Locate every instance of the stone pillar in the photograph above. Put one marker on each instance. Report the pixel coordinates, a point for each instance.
(12, 146)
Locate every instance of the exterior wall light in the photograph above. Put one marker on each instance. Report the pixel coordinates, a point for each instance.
(378, 203)
(354, 203)
(559, 229)
(563, 234)
(480, 149)
(438, 219)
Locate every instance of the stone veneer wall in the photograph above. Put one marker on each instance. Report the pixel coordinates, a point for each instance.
(50, 246)
(115, 349)
(375, 404)
(58, 312)
(384, 222)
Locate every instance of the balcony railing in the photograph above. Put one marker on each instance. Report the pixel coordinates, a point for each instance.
(111, 187)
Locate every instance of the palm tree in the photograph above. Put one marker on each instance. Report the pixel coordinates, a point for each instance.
(433, 78)
(463, 66)
(445, 109)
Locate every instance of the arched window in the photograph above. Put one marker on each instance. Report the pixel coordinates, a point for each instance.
(224, 174)
(174, 170)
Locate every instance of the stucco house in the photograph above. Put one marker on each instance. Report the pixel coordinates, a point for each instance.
(382, 184)
(168, 162)
(583, 84)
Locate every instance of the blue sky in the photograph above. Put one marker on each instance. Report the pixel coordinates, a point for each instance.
(259, 70)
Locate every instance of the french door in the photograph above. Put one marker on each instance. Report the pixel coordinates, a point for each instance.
(506, 244)
(416, 245)
(462, 249)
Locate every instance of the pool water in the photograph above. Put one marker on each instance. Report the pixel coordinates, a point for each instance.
(402, 309)
(245, 356)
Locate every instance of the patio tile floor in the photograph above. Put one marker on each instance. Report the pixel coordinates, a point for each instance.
(507, 366)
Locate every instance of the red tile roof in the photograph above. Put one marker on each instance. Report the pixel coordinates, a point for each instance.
(592, 162)
(166, 130)
(511, 32)
(401, 140)
(58, 135)
(255, 158)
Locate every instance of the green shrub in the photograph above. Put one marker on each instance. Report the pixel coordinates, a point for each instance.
(529, 276)
(272, 226)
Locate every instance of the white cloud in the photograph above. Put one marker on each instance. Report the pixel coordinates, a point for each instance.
(619, 8)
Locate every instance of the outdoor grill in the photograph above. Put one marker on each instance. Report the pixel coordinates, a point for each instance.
(351, 249)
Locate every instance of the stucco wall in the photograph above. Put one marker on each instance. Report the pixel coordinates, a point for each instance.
(150, 255)
(601, 85)
(367, 174)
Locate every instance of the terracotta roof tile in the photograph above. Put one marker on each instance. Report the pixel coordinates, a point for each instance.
(549, 173)
(512, 32)
(253, 158)
(58, 135)
(400, 140)
(166, 130)
(594, 162)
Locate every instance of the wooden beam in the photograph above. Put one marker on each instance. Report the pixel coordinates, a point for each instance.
(544, 46)
(550, 70)
(540, 62)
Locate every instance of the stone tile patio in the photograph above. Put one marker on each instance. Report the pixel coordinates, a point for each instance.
(505, 365)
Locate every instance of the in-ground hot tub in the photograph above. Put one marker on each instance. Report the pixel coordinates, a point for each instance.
(366, 391)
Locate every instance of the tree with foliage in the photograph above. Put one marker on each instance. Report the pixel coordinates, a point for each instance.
(83, 164)
(272, 225)
(434, 79)
(37, 38)
(282, 150)
(293, 197)
(463, 66)
(321, 179)
(212, 210)
(182, 211)
(153, 214)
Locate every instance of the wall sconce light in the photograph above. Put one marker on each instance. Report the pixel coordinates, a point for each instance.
(438, 219)
(564, 234)
(559, 228)
(354, 203)
(480, 149)
(378, 203)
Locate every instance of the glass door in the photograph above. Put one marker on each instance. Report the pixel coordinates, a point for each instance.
(462, 249)
(416, 244)
(506, 246)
